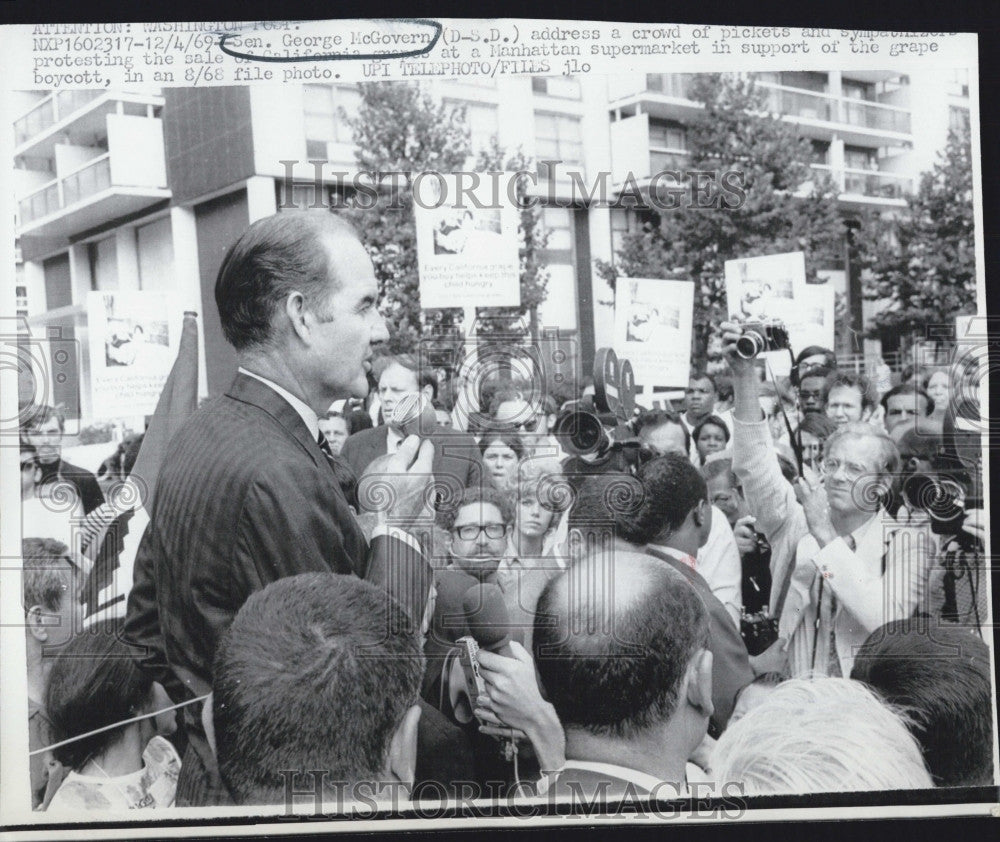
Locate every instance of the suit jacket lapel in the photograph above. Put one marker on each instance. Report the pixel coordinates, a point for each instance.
(252, 391)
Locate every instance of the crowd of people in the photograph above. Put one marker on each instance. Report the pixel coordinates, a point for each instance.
(785, 589)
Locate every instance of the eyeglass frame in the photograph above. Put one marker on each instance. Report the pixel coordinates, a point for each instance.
(481, 529)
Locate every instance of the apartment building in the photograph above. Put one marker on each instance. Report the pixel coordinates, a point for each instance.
(140, 190)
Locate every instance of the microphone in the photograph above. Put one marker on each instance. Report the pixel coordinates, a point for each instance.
(449, 617)
(413, 415)
(487, 618)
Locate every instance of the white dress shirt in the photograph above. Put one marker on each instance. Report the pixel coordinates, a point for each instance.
(307, 415)
(719, 564)
(868, 593)
(648, 783)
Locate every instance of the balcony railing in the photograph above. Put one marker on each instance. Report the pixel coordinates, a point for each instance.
(49, 111)
(873, 115)
(669, 84)
(661, 160)
(91, 178)
(69, 101)
(37, 120)
(875, 185)
(799, 103)
(830, 109)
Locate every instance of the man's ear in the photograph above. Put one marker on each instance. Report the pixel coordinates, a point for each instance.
(296, 311)
(34, 621)
(699, 683)
(403, 748)
(698, 513)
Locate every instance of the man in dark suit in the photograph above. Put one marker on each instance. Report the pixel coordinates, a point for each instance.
(632, 515)
(247, 493)
(680, 522)
(457, 460)
(634, 690)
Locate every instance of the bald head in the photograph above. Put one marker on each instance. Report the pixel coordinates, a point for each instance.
(614, 636)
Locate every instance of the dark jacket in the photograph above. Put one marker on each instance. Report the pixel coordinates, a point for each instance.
(731, 670)
(245, 497)
(457, 462)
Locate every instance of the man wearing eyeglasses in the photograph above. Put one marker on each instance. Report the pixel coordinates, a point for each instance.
(849, 566)
(477, 545)
(511, 411)
(857, 569)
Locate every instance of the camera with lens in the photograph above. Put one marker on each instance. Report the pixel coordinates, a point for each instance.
(602, 438)
(942, 496)
(758, 337)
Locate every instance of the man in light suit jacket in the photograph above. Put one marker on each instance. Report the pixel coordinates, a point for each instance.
(248, 493)
(457, 460)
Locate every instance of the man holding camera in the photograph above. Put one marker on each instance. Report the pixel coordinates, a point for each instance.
(848, 565)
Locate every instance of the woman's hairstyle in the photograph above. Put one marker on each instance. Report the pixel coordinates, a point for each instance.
(94, 682)
(512, 440)
(820, 735)
(543, 478)
(711, 421)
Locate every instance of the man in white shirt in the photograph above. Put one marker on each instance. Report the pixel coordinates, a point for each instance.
(857, 569)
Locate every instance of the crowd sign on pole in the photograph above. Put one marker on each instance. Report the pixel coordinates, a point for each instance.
(133, 344)
(653, 323)
(773, 287)
(467, 245)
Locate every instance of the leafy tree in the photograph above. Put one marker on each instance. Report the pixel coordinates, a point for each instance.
(532, 240)
(400, 128)
(922, 262)
(734, 132)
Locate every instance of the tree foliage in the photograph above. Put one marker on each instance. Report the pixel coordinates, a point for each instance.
(400, 128)
(788, 207)
(922, 262)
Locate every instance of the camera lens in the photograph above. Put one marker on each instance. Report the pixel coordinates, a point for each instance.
(581, 432)
(750, 344)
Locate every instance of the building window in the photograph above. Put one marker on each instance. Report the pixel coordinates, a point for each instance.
(860, 158)
(155, 247)
(958, 118)
(327, 109)
(853, 89)
(557, 222)
(565, 87)
(103, 257)
(820, 151)
(482, 122)
(666, 135)
(558, 138)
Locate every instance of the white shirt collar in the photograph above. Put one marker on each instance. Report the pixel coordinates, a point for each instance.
(673, 552)
(649, 783)
(305, 412)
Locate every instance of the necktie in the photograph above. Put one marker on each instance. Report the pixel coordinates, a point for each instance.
(833, 660)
